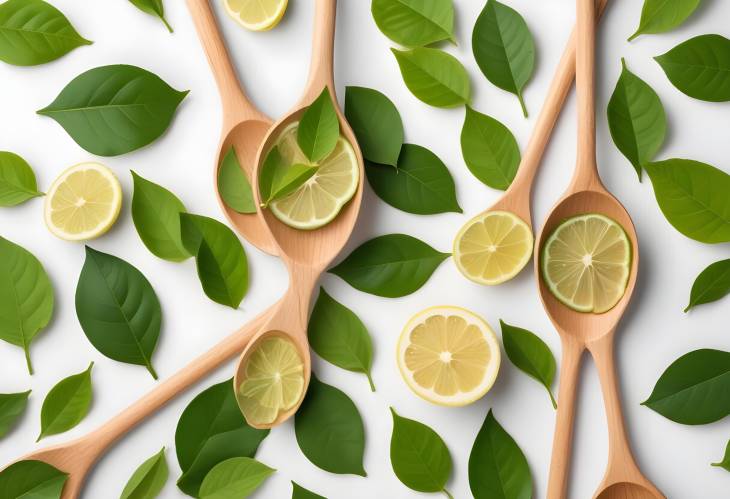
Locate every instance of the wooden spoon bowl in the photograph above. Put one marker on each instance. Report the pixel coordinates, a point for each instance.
(626, 490)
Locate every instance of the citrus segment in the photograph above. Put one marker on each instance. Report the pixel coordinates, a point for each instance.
(256, 15)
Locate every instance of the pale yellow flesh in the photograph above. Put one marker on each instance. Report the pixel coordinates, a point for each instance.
(256, 15)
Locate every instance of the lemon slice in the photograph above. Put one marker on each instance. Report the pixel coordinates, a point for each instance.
(318, 201)
(273, 380)
(493, 247)
(448, 356)
(586, 263)
(256, 15)
(83, 202)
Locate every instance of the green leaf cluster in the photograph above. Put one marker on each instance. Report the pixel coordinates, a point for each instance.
(67, 404)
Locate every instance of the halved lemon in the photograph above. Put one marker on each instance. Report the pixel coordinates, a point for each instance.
(83, 202)
(586, 263)
(320, 199)
(448, 355)
(256, 15)
(493, 247)
(273, 380)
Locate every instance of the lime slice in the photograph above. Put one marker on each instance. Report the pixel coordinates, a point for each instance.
(586, 263)
(317, 202)
(493, 247)
(448, 356)
(256, 15)
(83, 202)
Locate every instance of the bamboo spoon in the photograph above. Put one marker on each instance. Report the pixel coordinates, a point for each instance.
(306, 253)
(578, 331)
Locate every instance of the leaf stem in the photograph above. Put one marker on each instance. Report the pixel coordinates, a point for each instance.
(167, 25)
(552, 398)
(370, 380)
(151, 370)
(448, 494)
(28, 362)
(522, 104)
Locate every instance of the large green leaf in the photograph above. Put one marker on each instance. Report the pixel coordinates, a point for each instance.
(299, 492)
(329, 430)
(34, 32)
(319, 128)
(149, 479)
(31, 480)
(695, 389)
(660, 16)
(415, 23)
(392, 266)
(725, 463)
(211, 429)
(17, 180)
(67, 404)
(531, 355)
(154, 8)
(504, 49)
(118, 309)
(26, 297)
(377, 124)
(712, 284)
(234, 478)
(693, 196)
(233, 184)
(433, 76)
(12, 406)
(112, 110)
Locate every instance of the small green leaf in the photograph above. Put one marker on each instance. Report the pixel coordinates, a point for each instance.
(319, 128)
(712, 284)
(504, 49)
(695, 389)
(67, 404)
(340, 337)
(434, 77)
(391, 266)
(12, 406)
(420, 184)
(233, 184)
(419, 456)
(289, 179)
(490, 150)
(531, 355)
(156, 215)
(497, 466)
(725, 463)
(270, 170)
(34, 32)
(31, 480)
(329, 430)
(17, 180)
(700, 67)
(660, 16)
(415, 23)
(149, 479)
(153, 8)
(234, 478)
(299, 492)
(377, 124)
(118, 309)
(220, 258)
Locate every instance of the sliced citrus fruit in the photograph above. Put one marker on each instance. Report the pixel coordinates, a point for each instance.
(256, 15)
(273, 380)
(318, 201)
(448, 356)
(586, 263)
(83, 202)
(493, 247)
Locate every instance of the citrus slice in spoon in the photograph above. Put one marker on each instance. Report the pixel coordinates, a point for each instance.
(256, 15)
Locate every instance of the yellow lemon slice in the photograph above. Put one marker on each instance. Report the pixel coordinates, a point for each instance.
(448, 356)
(256, 15)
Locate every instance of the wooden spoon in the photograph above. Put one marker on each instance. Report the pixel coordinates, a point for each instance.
(578, 331)
(306, 253)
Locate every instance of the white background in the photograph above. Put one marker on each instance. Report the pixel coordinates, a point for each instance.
(273, 68)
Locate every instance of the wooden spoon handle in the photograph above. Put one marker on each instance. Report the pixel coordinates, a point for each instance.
(321, 72)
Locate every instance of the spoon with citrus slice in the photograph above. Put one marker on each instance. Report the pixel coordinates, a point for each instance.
(586, 261)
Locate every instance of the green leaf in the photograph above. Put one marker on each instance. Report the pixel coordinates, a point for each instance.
(433, 76)
(26, 297)
(235, 478)
(112, 110)
(270, 171)
(419, 456)
(420, 184)
(700, 67)
(531, 355)
(17, 180)
(391, 266)
(67, 404)
(636, 119)
(118, 309)
(12, 406)
(693, 197)
(34, 32)
(712, 284)
(415, 23)
(490, 150)
(340, 337)
(156, 215)
(504, 49)
(497, 466)
(319, 128)
(31, 480)
(329, 430)
(153, 8)
(149, 479)
(725, 463)
(211, 429)
(233, 185)
(219, 256)
(289, 179)
(299, 492)
(377, 124)
(660, 16)
(695, 389)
